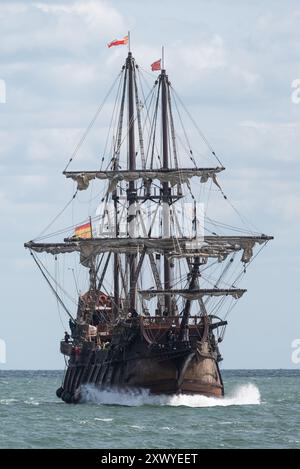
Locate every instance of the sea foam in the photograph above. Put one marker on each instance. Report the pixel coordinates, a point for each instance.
(246, 394)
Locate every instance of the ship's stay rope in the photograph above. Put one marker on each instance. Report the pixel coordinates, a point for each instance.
(147, 120)
(56, 284)
(81, 142)
(40, 236)
(51, 286)
(196, 126)
(139, 121)
(113, 117)
(191, 156)
(234, 284)
(242, 217)
(219, 224)
(223, 273)
(68, 228)
(92, 122)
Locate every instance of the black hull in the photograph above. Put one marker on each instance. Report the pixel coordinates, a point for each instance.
(184, 370)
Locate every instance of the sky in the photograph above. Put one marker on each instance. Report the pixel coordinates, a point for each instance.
(233, 63)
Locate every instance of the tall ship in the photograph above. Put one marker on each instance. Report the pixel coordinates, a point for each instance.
(154, 276)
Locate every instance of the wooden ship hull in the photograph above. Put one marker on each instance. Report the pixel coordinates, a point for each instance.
(132, 362)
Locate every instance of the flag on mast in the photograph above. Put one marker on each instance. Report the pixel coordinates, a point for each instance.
(118, 42)
(156, 65)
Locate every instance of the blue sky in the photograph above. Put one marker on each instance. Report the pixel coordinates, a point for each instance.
(233, 64)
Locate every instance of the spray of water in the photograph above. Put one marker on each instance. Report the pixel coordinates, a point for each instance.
(247, 394)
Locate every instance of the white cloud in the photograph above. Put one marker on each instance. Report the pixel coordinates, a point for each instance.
(212, 66)
(209, 55)
(273, 22)
(13, 8)
(275, 140)
(286, 206)
(95, 13)
(72, 27)
(78, 74)
(32, 180)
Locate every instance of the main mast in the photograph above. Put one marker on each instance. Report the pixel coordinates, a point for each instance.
(131, 192)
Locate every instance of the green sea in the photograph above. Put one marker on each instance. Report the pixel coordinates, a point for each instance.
(261, 409)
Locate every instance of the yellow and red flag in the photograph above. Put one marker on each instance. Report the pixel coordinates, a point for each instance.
(118, 42)
(84, 231)
(156, 65)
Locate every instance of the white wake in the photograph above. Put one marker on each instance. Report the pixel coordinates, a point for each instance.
(247, 394)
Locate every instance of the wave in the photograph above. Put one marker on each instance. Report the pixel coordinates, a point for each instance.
(247, 394)
(8, 401)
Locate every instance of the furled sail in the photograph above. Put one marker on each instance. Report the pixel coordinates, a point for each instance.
(173, 176)
(211, 246)
(193, 294)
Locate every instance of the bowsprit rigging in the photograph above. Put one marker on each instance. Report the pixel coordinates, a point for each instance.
(156, 268)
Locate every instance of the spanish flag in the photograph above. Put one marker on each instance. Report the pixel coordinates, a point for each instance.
(83, 231)
(118, 42)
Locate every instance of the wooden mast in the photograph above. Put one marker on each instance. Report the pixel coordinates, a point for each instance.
(165, 185)
(188, 303)
(115, 197)
(131, 192)
(116, 256)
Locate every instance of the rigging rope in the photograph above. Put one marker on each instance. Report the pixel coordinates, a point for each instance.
(40, 236)
(148, 108)
(68, 228)
(116, 150)
(85, 134)
(197, 127)
(51, 287)
(139, 122)
(57, 302)
(191, 156)
(112, 119)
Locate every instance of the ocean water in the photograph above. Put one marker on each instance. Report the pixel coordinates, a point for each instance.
(261, 409)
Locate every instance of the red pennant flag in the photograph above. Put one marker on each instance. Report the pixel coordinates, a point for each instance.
(118, 42)
(156, 66)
